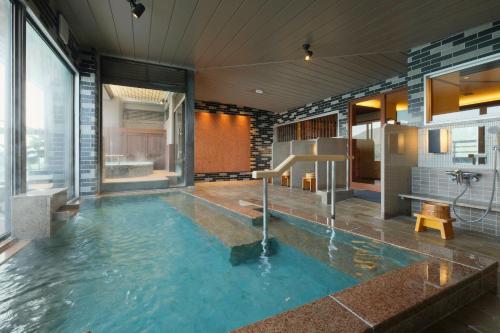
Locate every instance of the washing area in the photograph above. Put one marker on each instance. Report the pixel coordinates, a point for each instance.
(457, 157)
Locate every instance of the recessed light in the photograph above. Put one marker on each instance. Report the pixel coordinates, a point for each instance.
(259, 91)
(466, 77)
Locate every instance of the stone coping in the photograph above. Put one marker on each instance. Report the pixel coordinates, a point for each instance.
(42, 193)
(407, 299)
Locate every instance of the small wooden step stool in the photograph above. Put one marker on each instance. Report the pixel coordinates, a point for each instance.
(443, 225)
(309, 182)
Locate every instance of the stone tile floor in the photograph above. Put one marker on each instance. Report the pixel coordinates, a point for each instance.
(363, 217)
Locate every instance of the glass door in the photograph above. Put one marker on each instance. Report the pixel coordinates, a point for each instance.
(366, 119)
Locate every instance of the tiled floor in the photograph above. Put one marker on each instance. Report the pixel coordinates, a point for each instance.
(362, 217)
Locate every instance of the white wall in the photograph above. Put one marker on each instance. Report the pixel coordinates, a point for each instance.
(112, 114)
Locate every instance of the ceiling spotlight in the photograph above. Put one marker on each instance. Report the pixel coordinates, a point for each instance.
(259, 91)
(309, 53)
(136, 8)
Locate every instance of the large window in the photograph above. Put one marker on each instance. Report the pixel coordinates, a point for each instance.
(5, 107)
(322, 127)
(49, 117)
(465, 94)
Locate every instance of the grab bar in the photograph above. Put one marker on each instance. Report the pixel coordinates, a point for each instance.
(280, 169)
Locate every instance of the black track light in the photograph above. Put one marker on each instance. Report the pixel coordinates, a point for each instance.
(136, 8)
(309, 53)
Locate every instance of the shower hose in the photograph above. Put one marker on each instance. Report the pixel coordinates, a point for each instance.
(467, 186)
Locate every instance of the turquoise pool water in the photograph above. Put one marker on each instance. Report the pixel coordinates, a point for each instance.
(160, 263)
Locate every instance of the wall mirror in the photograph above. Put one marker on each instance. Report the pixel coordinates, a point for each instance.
(468, 145)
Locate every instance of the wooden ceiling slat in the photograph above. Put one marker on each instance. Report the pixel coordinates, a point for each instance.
(122, 17)
(202, 16)
(142, 28)
(162, 11)
(218, 22)
(355, 43)
(272, 37)
(267, 13)
(237, 22)
(183, 12)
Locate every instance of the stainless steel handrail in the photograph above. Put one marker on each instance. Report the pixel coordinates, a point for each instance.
(280, 169)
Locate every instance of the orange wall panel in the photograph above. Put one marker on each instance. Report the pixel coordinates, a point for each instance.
(222, 143)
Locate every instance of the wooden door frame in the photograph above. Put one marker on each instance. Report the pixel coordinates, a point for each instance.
(382, 98)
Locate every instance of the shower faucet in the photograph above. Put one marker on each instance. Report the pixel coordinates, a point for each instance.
(461, 176)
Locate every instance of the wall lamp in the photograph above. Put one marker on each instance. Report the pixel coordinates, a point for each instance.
(136, 8)
(309, 53)
(437, 141)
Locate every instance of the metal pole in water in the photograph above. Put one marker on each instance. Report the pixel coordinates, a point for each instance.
(265, 216)
(334, 188)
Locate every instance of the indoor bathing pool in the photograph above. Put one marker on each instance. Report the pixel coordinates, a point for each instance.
(172, 263)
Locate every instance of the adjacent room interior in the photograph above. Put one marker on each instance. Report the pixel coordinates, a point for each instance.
(141, 135)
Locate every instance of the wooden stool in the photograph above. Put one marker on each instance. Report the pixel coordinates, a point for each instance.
(443, 225)
(285, 180)
(309, 184)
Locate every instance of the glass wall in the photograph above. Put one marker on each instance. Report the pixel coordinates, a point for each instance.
(49, 117)
(142, 137)
(5, 107)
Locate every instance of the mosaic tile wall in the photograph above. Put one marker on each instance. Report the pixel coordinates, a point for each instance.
(339, 103)
(89, 143)
(261, 138)
(463, 47)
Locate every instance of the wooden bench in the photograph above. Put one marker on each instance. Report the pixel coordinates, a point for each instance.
(447, 200)
(445, 226)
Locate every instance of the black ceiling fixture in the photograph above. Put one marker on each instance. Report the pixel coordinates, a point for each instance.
(136, 8)
(309, 53)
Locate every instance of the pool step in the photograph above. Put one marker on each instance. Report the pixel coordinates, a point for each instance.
(340, 194)
(9, 247)
(252, 252)
(6, 243)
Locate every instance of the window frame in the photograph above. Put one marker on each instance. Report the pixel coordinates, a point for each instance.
(8, 162)
(428, 91)
(39, 28)
(336, 112)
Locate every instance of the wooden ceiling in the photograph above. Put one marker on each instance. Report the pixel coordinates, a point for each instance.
(238, 46)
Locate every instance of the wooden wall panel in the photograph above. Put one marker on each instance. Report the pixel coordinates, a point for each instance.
(222, 143)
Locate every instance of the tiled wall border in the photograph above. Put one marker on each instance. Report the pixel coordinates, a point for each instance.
(340, 103)
(472, 44)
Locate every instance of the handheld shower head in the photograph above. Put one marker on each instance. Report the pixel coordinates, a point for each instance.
(495, 130)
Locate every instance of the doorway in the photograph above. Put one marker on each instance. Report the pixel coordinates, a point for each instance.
(367, 116)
